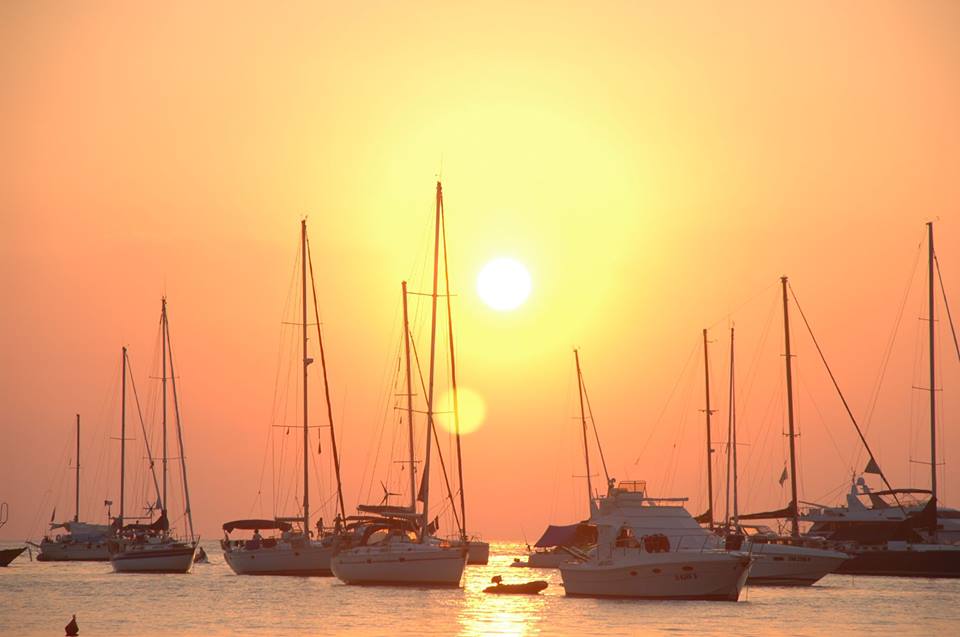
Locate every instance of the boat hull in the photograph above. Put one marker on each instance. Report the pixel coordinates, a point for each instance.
(74, 551)
(418, 565)
(785, 565)
(919, 561)
(8, 555)
(551, 559)
(680, 576)
(153, 559)
(478, 552)
(313, 560)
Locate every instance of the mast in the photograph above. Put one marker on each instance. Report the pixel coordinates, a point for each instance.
(406, 349)
(306, 363)
(733, 433)
(326, 388)
(794, 520)
(163, 399)
(583, 421)
(76, 514)
(706, 374)
(123, 427)
(453, 377)
(176, 410)
(425, 488)
(933, 377)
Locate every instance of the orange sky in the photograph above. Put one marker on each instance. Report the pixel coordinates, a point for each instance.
(655, 165)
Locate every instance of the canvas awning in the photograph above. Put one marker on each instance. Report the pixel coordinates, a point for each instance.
(569, 535)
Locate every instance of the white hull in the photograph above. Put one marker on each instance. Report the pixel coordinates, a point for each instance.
(282, 559)
(545, 559)
(784, 565)
(401, 563)
(478, 552)
(683, 575)
(73, 551)
(154, 558)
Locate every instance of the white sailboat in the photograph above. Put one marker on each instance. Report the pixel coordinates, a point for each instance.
(396, 545)
(152, 547)
(295, 551)
(778, 560)
(82, 542)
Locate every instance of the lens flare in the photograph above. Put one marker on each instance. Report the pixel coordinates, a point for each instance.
(472, 410)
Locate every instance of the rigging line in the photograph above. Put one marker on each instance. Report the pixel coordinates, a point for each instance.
(143, 427)
(183, 455)
(888, 353)
(840, 393)
(432, 424)
(453, 373)
(663, 411)
(943, 291)
(595, 433)
(751, 299)
(326, 384)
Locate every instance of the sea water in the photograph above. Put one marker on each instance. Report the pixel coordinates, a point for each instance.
(38, 598)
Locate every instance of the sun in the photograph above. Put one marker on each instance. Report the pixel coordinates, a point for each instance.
(504, 284)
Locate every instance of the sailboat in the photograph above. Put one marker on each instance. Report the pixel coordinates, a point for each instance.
(894, 532)
(8, 555)
(396, 544)
(151, 547)
(778, 560)
(635, 556)
(82, 542)
(295, 551)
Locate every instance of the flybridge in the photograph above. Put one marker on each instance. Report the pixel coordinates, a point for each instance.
(638, 487)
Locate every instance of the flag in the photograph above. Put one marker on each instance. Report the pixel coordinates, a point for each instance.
(872, 467)
(783, 476)
(53, 515)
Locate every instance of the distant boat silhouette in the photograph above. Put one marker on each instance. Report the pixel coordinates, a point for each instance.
(72, 629)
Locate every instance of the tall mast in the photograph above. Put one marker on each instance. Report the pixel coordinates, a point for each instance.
(406, 349)
(794, 520)
(163, 399)
(123, 427)
(76, 514)
(453, 377)
(176, 410)
(709, 412)
(583, 422)
(933, 377)
(733, 433)
(433, 353)
(326, 387)
(306, 362)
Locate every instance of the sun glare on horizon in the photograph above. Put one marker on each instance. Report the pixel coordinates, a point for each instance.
(504, 284)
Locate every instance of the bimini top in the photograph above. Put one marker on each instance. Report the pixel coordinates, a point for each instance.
(571, 535)
(254, 525)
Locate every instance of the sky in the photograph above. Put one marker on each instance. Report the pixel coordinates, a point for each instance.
(655, 166)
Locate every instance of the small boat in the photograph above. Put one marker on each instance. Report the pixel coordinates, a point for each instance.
(83, 541)
(294, 551)
(8, 555)
(526, 588)
(152, 547)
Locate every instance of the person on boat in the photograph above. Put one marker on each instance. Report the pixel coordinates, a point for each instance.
(320, 527)
(257, 539)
